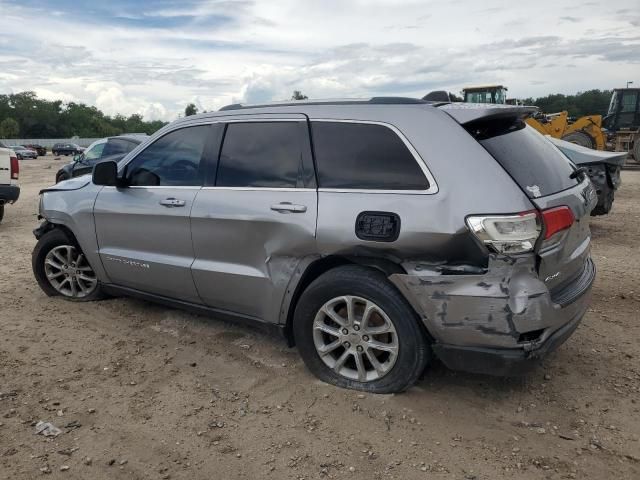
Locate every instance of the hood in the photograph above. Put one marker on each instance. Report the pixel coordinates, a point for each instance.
(585, 156)
(71, 184)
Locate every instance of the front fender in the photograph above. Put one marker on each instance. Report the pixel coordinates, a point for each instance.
(71, 207)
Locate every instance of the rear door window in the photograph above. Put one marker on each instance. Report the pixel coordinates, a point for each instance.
(265, 154)
(364, 156)
(536, 165)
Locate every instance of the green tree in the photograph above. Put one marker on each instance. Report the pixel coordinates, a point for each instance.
(39, 118)
(298, 95)
(591, 102)
(190, 109)
(9, 128)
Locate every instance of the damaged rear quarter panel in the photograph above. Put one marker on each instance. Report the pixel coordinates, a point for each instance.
(492, 309)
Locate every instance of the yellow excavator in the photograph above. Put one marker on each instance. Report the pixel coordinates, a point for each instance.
(585, 131)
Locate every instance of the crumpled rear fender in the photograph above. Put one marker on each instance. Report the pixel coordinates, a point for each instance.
(491, 309)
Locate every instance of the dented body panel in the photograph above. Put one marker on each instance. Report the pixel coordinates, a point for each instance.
(495, 309)
(603, 168)
(234, 250)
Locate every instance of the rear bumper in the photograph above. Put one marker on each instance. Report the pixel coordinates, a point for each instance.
(498, 323)
(9, 193)
(502, 362)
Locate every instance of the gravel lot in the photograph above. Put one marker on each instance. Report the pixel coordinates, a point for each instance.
(143, 392)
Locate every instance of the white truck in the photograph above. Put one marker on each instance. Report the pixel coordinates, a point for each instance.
(9, 172)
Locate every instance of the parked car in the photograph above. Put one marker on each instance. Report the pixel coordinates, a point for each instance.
(23, 152)
(9, 172)
(603, 168)
(111, 148)
(66, 149)
(404, 230)
(38, 148)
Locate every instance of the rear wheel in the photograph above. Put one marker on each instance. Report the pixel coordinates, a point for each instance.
(579, 138)
(61, 268)
(607, 204)
(353, 329)
(1, 212)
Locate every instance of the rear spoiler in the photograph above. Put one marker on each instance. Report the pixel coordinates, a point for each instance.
(469, 112)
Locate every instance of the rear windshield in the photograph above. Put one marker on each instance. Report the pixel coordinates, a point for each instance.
(532, 161)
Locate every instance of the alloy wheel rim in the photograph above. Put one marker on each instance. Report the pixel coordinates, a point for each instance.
(69, 273)
(355, 338)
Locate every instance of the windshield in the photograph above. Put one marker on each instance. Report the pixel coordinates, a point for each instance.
(498, 96)
(613, 105)
(95, 150)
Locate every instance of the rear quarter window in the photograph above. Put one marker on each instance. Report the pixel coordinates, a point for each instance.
(364, 156)
(535, 164)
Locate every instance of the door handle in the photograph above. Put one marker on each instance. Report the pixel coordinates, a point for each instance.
(172, 202)
(286, 207)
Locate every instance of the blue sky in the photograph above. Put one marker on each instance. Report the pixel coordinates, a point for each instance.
(153, 57)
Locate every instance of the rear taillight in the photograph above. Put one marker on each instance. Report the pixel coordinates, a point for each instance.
(508, 234)
(15, 168)
(518, 233)
(556, 220)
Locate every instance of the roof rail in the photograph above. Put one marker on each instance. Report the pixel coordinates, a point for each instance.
(369, 101)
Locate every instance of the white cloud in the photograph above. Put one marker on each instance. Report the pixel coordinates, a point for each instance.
(243, 50)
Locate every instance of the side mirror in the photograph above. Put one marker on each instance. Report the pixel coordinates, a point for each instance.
(106, 173)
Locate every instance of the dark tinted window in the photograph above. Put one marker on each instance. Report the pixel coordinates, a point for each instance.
(263, 154)
(118, 146)
(364, 156)
(172, 160)
(533, 161)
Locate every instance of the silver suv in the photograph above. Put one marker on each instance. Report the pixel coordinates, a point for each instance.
(374, 234)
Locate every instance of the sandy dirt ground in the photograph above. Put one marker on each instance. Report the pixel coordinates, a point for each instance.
(145, 392)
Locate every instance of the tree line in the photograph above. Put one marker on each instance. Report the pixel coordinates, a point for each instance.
(24, 115)
(591, 102)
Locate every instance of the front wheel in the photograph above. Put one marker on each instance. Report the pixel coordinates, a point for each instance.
(1, 212)
(353, 329)
(62, 269)
(579, 138)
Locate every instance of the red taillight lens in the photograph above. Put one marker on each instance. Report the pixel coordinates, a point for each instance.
(15, 168)
(556, 220)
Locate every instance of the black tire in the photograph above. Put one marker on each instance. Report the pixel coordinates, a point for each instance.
(579, 138)
(50, 240)
(1, 212)
(607, 204)
(414, 350)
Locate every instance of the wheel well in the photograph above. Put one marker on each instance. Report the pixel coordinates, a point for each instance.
(48, 226)
(322, 266)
